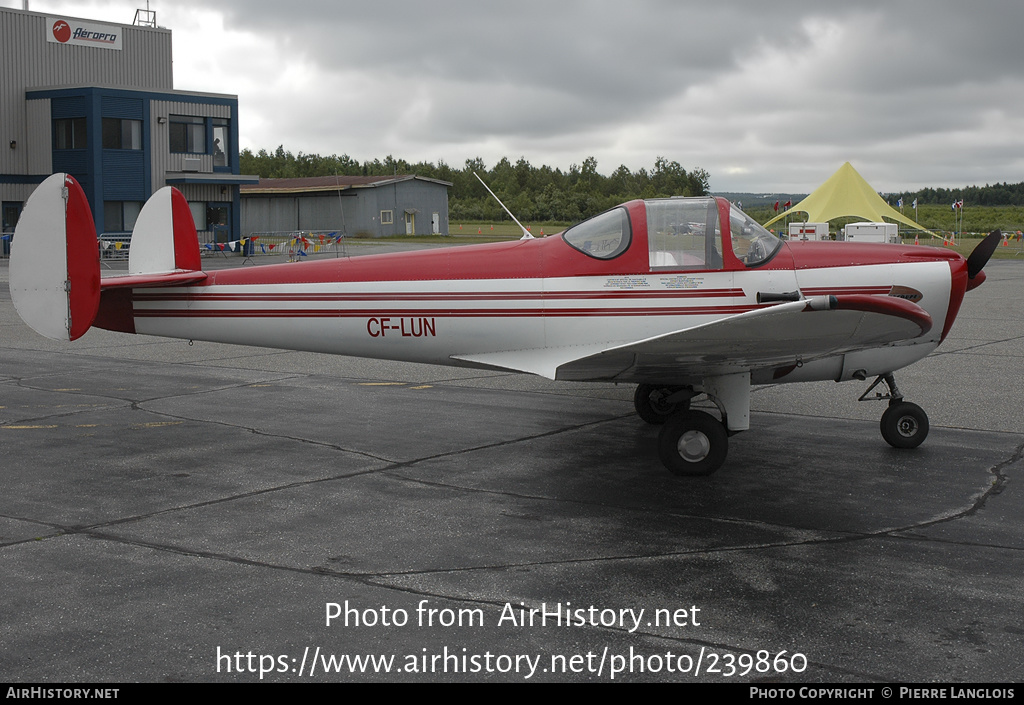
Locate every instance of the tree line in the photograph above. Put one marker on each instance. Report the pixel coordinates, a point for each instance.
(1003, 194)
(536, 194)
(546, 194)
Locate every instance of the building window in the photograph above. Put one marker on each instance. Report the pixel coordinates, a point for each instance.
(120, 216)
(122, 134)
(198, 209)
(387, 217)
(221, 141)
(188, 134)
(69, 133)
(11, 213)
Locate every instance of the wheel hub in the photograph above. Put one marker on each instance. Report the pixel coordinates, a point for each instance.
(693, 446)
(907, 426)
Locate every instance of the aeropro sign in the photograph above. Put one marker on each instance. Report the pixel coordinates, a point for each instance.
(89, 34)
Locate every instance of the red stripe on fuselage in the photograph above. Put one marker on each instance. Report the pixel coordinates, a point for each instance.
(439, 313)
(838, 290)
(204, 296)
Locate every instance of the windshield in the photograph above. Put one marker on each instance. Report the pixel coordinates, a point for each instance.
(751, 243)
(604, 236)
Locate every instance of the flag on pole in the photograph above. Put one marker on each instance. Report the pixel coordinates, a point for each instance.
(776, 206)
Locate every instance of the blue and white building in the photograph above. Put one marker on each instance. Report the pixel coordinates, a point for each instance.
(97, 100)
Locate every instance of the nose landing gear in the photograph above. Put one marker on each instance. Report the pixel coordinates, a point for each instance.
(903, 424)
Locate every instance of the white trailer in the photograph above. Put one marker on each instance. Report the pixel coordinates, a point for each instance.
(871, 232)
(808, 231)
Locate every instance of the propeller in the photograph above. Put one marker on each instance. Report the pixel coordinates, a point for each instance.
(979, 258)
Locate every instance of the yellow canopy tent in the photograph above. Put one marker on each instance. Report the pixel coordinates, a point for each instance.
(846, 193)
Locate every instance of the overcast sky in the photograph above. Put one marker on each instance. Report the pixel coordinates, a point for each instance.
(765, 96)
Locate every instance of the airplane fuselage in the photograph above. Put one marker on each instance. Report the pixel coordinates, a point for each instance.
(432, 306)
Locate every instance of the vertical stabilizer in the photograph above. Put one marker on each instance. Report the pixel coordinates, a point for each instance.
(55, 262)
(164, 238)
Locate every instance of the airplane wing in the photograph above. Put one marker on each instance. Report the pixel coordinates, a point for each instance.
(808, 329)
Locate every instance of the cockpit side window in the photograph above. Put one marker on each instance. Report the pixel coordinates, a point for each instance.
(683, 233)
(751, 243)
(604, 236)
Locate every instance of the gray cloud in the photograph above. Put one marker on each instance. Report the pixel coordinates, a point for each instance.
(795, 85)
(765, 96)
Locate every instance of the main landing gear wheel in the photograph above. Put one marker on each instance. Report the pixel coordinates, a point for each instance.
(693, 443)
(649, 402)
(904, 425)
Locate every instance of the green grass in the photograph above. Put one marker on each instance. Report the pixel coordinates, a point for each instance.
(935, 217)
(966, 245)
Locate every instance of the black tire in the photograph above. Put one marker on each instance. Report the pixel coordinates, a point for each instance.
(649, 404)
(693, 443)
(904, 425)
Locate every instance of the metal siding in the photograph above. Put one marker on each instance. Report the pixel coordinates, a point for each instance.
(17, 193)
(124, 108)
(263, 214)
(124, 175)
(372, 206)
(386, 199)
(426, 199)
(28, 60)
(359, 212)
(319, 212)
(201, 192)
(39, 144)
(70, 107)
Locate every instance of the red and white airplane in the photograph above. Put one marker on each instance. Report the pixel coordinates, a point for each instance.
(682, 296)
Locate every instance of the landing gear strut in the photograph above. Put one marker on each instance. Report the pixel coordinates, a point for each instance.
(695, 442)
(903, 425)
(655, 404)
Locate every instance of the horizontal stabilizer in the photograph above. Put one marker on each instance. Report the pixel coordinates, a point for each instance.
(148, 281)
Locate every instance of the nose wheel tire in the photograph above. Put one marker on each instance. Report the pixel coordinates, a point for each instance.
(904, 425)
(693, 443)
(649, 402)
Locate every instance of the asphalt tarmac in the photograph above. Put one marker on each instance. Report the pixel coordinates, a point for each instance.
(173, 512)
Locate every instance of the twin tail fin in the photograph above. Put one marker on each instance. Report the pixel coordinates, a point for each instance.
(55, 263)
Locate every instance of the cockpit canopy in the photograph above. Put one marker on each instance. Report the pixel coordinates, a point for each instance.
(682, 233)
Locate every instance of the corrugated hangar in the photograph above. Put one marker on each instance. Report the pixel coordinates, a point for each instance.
(366, 206)
(97, 100)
